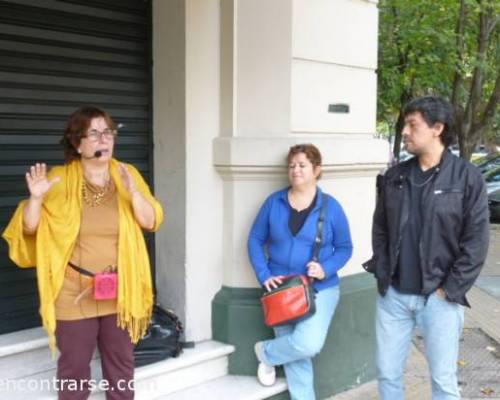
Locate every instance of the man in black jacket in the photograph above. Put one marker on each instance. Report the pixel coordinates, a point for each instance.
(430, 239)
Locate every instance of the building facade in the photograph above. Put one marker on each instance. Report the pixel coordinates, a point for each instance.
(210, 94)
(236, 83)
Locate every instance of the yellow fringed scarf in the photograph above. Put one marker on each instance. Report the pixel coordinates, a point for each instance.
(51, 248)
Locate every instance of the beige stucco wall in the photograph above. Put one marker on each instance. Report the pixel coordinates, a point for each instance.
(204, 207)
(169, 128)
(258, 77)
(334, 61)
(329, 57)
(262, 57)
(186, 120)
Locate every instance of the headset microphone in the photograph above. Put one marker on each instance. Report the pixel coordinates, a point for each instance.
(97, 154)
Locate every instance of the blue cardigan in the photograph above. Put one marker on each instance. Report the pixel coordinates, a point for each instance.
(288, 254)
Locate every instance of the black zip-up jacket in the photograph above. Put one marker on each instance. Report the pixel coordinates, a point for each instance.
(455, 227)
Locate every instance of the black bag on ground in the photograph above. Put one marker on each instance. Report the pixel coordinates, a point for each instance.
(162, 339)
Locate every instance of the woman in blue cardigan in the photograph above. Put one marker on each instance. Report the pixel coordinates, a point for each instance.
(281, 243)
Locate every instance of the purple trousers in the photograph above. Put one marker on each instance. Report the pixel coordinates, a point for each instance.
(77, 341)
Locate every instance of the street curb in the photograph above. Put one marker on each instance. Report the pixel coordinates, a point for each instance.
(494, 227)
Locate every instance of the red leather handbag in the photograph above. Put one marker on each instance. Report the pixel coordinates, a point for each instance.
(293, 300)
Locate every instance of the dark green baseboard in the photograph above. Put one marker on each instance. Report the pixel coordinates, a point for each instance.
(347, 358)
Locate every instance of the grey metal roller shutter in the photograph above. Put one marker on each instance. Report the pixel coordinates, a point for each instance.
(55, 56)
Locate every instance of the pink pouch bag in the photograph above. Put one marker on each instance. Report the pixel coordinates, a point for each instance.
(105, 283)
(105, 286)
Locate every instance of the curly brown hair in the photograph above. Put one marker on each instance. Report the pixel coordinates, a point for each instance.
(77, 125)
(311, 151)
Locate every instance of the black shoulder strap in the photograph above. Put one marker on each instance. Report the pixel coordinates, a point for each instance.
(319, 232)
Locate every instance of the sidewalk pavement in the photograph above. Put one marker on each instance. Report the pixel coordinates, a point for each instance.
(482, 318)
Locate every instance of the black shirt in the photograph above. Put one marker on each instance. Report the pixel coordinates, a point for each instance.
(297, 218)
(408, 275)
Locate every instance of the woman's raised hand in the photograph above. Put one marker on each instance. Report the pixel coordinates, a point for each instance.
(127, 179)
(38, 183)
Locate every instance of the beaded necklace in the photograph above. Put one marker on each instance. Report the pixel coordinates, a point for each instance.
(94, 196)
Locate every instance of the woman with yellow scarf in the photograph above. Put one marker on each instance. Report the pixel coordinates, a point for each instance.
(82, 229)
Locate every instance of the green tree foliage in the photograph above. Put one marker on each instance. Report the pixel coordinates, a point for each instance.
(446, 47)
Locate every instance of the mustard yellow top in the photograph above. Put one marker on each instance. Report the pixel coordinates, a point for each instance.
(52, 246)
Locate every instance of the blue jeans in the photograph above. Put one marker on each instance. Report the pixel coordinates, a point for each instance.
(296, 344)
(440, 322)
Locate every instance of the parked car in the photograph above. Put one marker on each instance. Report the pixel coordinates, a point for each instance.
(489, 162)
(492, 179)
(479, 155)
(455, 150)
(494, 205)
(404, 155)
(480, 152)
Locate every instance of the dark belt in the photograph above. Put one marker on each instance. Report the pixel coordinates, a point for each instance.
(81, 270)
(109, 268)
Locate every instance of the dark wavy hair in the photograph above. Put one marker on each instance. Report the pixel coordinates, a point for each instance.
(434, 109)
(77, 126)
(311, 151)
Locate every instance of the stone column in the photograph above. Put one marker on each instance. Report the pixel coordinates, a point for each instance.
(294, 72)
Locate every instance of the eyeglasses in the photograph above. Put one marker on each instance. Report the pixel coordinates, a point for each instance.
(94, 135)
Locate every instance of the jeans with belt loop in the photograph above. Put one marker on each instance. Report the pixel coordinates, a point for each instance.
(440, 322)
(296, 344)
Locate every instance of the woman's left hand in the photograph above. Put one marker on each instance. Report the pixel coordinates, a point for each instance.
(127, 179)
(143, 211)
(315, 270)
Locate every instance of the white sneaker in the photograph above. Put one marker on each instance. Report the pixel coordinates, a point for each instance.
(266, 374)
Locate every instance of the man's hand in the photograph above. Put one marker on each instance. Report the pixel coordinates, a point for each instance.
(441, 293)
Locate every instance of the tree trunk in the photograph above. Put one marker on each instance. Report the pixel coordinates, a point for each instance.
(476, 117)
(400, 123)
(467, 148)
(491, 144)
(398, 137)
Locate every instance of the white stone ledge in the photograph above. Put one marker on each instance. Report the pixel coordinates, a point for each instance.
(369, 67)
(259, 173)
(21, 341)
(330, 134)
(268, 154)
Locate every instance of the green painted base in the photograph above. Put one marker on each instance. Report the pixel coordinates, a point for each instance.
(347, 358)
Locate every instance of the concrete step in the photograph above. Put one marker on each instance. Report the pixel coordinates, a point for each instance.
(41, 386)
(16, 342)
(28, 371)
(206, 361)
(229, 387)
(24, 353)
